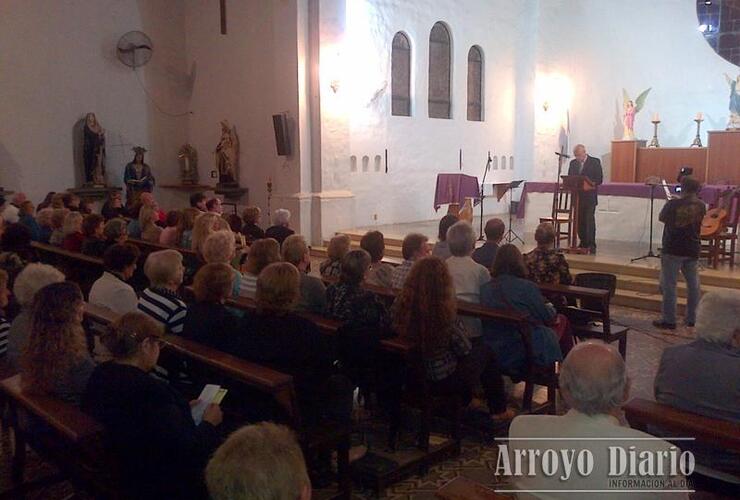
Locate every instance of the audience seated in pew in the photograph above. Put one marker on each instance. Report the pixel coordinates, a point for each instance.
(380, 273)
(338, 247)
(43, 217)
(134, 225)
(94, 243)
(414, 247)
(57, 225)
(164, 270)
(73, 236)
(509, 289)
(17, 252)
(220, 248)
(259, 461)
(185, 228)
(441, 248)
(251, 228)
(351, 304)
(111, 290)
(161, 451)
(4, 323)
(425, 312)
(208, 320)
(33, 278)
(205, 225)
(113, 207)
(10, 211)
(280, 339)
(546, 264)
(261, 254)
(594, 384)
(214, 205)
(46, 202)
(169, 233)
(467, 275)
(198, 201)
(703, 376)
(115, 232)
(313, 292)
(148, 218)
(485, 254)
(56, 360)
(281, 228)
(26, 217)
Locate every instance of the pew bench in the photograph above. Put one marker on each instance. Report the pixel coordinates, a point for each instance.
(80, 268)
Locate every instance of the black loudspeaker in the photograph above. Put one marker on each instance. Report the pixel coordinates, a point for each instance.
(282, 137)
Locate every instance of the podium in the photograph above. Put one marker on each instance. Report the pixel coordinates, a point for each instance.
(576, 185)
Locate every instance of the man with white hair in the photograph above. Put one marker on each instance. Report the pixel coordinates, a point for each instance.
(587, 166)
(704, 376)
(160, 301)
(280, 230)
(10, 214)
(594, 384)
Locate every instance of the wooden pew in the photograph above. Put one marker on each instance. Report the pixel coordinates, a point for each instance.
(218, 366)
(80, 268)
(721, 434)
(60, 433)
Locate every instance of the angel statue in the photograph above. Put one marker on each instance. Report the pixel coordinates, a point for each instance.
(631, 108)
(227, 154)
(734, 122)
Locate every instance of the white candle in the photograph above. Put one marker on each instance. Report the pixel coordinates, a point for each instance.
(700, 116)
(656, 117)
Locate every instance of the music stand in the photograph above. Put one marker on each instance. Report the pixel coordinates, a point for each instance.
(652, 211)
(500, 189)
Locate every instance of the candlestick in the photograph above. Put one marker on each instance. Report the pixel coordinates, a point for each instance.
(269, 198)
(699, 116)
(656, 118)
(654, 143)
(697, 139)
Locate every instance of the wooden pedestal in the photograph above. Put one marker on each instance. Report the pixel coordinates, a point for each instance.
(724, 157)
(624, 160)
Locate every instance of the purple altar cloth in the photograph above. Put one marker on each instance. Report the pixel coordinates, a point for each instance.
(454, 188)
(709, 193)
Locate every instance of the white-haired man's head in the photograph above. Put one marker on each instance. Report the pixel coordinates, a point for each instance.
(718, 317)
(593, 378)
(282, 217)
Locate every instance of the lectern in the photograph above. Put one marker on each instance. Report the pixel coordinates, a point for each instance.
(576, 184)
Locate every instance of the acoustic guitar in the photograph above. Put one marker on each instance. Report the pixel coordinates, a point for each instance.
(714, 220)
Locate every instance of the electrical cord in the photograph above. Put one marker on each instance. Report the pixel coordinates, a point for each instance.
(156, 106)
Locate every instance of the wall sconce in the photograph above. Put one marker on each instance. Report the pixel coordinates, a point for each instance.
(334, 85)
(545, 106)
(332, 67)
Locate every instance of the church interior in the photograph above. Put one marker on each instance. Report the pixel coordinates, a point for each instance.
(369, 249)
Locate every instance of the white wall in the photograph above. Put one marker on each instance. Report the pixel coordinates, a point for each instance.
(58, 62)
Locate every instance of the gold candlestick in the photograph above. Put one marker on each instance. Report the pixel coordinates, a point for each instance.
(654, 143)
(697, 139)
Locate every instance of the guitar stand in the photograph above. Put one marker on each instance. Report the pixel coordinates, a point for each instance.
(652, 212)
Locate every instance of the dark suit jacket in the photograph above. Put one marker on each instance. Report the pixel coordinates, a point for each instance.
(592, 170)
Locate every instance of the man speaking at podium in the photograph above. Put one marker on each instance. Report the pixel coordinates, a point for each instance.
(591, 168)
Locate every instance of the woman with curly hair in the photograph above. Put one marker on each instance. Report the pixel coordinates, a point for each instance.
(205, 225)
(425, 312)
(56, 360)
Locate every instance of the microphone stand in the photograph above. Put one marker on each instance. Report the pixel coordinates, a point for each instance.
(483, 195)
(652, 211)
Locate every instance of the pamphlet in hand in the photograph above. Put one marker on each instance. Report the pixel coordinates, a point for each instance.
(211, 394)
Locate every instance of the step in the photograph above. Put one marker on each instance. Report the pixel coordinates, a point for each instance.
(649, 285)
(645, 301)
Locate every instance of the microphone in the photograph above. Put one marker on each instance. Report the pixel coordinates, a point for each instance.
(562, 155)
(488, 163)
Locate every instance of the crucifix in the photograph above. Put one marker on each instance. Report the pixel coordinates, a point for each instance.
(223, 16)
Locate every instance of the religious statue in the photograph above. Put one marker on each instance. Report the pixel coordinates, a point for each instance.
(188, 157)
(227, 155)
(631, 108)
(137, 177)
(734, 122)
(93, 151)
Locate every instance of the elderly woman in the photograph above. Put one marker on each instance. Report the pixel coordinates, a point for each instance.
(161, 449)
(251, 228)
(56, 360)
(94, 243)
(467, 275)
(280, 230)
(57, 226)
(161, 301)
(441, 248)
(261, 254)
(33, 278)
(111, 290)
(546, 264)
(72, 229)
(348, 302)
(510, 289)
(209, 321)
(220, 248)
(289, 343)
(313, 292)
(43, 217)
(150, 231)
(338, 247)
(425, 312)
(380, 274)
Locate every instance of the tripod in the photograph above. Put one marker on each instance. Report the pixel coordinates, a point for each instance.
(483, 194)
(652, 211)
(510, 234)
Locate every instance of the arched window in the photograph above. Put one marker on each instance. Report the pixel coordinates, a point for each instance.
(475, 84)
(401, 76)
(440, 59)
